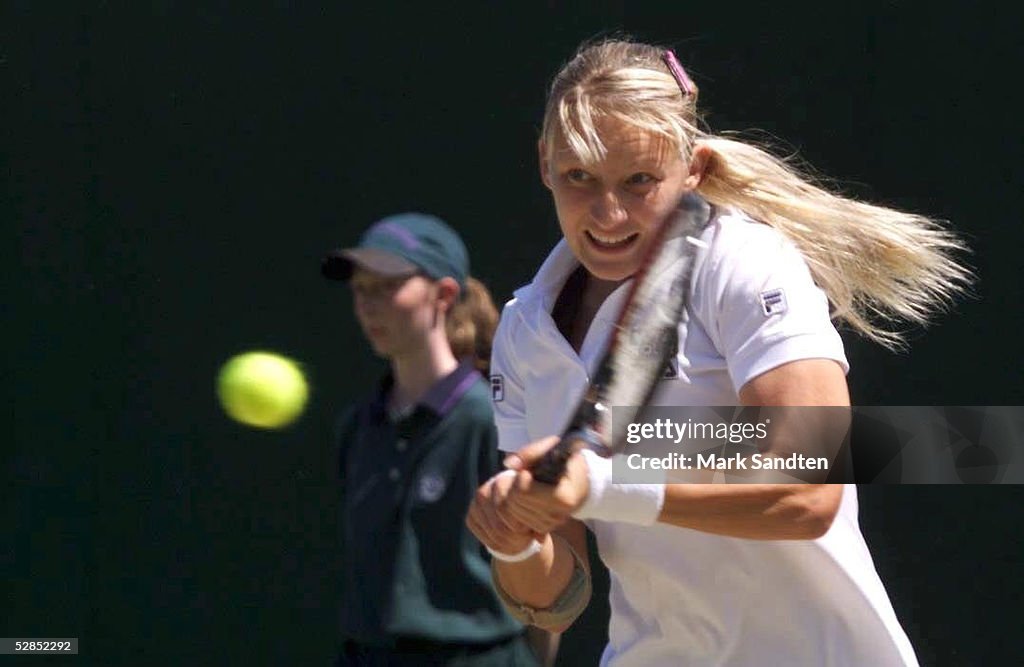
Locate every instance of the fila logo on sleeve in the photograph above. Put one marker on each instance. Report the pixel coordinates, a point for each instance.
(497, 388)
(773, 302)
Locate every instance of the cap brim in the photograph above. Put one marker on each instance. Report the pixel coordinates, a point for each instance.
(339, 264)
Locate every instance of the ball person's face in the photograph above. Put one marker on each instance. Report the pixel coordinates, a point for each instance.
(608, 211)
(395, 314)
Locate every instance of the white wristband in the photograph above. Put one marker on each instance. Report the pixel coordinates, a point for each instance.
(607, 501)
(534, 548)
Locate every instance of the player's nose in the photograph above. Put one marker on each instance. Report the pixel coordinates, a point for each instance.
(607, 210)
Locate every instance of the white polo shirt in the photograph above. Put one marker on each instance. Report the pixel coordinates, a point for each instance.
(681, 596)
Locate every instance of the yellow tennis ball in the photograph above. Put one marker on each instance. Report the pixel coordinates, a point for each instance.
(262, 389)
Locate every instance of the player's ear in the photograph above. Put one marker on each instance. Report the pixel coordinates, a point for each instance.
(700, 160)
(544, 163)
(447, 292)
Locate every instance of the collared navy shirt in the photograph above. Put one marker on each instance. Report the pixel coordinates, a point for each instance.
(411, 568)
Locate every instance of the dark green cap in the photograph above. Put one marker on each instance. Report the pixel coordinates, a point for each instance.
(401, 245)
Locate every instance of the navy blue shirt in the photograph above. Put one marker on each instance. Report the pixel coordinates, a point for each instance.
(411, 568)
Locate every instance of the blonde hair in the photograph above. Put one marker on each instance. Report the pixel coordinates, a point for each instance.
(470, 325)
(877, 265)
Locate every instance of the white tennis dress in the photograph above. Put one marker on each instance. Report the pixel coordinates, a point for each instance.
(681, 596)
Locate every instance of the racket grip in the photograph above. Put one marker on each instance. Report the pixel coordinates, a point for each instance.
(551, 468)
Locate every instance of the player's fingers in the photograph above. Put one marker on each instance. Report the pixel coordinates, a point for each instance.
(507, 521)
(503, 483)
(564, 497)
(527, 487)
(521, 515)
(486, 520)
(501, 524)
(537, 521)
(510, 523)
(531, 453)
(558, 499)
(489, 534)
(476, 526)
(499, 497)
(498, 536)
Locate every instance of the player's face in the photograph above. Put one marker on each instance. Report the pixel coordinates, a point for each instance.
(608, 211)
(395, 314)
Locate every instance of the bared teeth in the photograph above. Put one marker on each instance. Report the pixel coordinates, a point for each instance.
(611, 240)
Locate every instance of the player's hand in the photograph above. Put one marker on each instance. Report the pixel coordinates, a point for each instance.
(544, 507)
(491, 527)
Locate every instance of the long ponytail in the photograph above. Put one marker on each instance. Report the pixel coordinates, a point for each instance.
(878, 265)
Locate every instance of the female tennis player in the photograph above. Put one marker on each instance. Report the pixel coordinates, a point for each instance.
(416, 584)
(701, 574)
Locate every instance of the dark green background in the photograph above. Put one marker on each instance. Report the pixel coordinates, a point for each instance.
(174, 174)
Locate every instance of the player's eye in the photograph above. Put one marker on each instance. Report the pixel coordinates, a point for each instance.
(577, 176)
(641, 179)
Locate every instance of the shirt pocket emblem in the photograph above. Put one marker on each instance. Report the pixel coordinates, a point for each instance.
(431, 487)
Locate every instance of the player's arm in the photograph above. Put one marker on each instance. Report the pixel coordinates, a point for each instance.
(550, 581)
(547, 589)
(552, 588)
(752, 511)
(539, 580)
(767, 511)
(804, 341)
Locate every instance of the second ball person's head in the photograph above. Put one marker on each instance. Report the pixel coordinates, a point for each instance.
(618, 150)
(406, 274)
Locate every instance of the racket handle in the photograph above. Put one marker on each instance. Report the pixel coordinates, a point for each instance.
(551, 468)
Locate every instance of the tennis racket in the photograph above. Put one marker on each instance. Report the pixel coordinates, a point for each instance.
(642, 342)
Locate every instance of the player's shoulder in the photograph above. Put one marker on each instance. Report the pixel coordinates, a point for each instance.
(522, 308)
(740, 258)
(731, 231)
(512, 314)
(737, 245)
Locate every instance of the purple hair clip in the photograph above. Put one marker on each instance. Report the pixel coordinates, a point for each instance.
(678, 73)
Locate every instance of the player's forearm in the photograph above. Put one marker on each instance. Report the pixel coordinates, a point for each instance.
(753, 511)
(538, 581)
